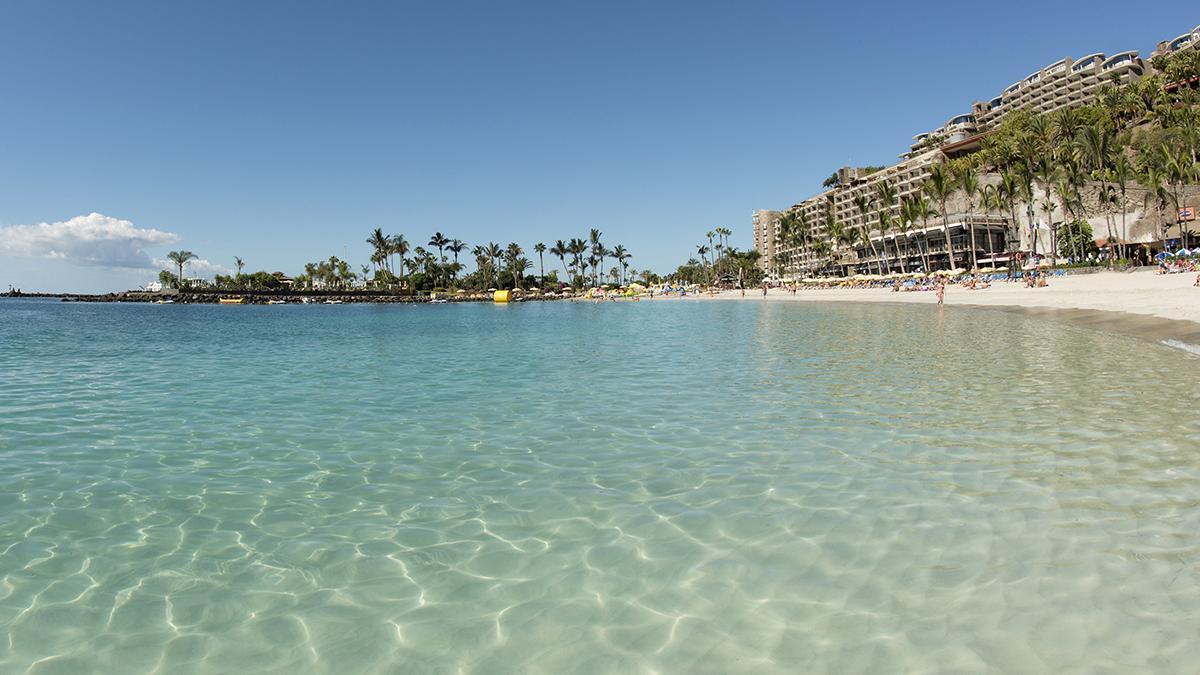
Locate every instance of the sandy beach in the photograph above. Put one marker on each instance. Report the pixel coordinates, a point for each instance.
(1143, 303)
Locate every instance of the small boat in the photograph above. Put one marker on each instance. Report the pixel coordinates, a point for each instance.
(439, 301)
(277, 302)
(167, 301)
(235, 300)
(334, 302)
(306, 300)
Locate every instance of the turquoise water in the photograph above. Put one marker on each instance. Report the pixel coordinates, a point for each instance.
(665, 487)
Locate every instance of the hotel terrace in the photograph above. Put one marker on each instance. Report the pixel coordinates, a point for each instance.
(1065, 83)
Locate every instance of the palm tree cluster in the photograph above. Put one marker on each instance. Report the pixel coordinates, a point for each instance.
(1086, 160)
(330, 274)
(583, 260)
(717, 260)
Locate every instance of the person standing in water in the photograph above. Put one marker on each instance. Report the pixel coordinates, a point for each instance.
(941, 293)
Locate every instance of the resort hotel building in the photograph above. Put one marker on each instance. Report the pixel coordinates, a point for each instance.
(908, 245)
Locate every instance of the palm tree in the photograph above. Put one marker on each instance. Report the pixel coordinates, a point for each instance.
(863, 203)
(804, 234)
(940, 187)
(1177, 170)
(180, 258)
(400, 247)
(993, 198)
(914, 208)
(1046, 172)
(518, 266)
(456, 246)
(1010, 189)
(968, 182)
(787, 221)
(1157, 192)
(908, 218)
(1095, 150)
(600, 252)
(239, 264)
(577, 248)
(560, 249)
(621, 256)
(511, 255)
(1065, 126)
(380, 245)
(702, 251)
(1028, 153)
(724, 233)
(1048, 206)
(541, 248)
(1122, 173)
(493, 253)
(864, 240)
(1105, 198)
(439, 241)
(594, 240)
(886, 194)
(885, 225)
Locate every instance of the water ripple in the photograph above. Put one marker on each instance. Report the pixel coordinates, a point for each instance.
(561, 488)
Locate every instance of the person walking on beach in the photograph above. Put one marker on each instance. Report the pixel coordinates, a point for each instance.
(941, 293)
(764, 291)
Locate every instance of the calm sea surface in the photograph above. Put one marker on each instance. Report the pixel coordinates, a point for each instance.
(655, 487)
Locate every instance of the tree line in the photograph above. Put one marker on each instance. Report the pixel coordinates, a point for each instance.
(396, 264)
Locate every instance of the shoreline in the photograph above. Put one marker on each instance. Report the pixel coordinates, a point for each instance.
(1162, 308)
(262, 297)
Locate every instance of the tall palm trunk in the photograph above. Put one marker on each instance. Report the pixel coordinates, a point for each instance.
(925, 246)
(946, 231)
(974, 247)
(1034, 230)
(1053, 235)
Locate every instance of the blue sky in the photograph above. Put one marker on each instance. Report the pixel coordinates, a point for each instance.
(284, 132)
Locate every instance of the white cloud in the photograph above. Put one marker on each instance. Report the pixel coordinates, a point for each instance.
(195, 269)
(91, 240)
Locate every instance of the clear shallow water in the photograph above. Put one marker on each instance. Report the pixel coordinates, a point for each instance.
(558, 488)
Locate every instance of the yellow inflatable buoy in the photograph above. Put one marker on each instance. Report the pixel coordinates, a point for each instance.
(501, 296)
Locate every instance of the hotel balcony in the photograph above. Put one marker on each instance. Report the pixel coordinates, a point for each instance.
(1122, 62)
